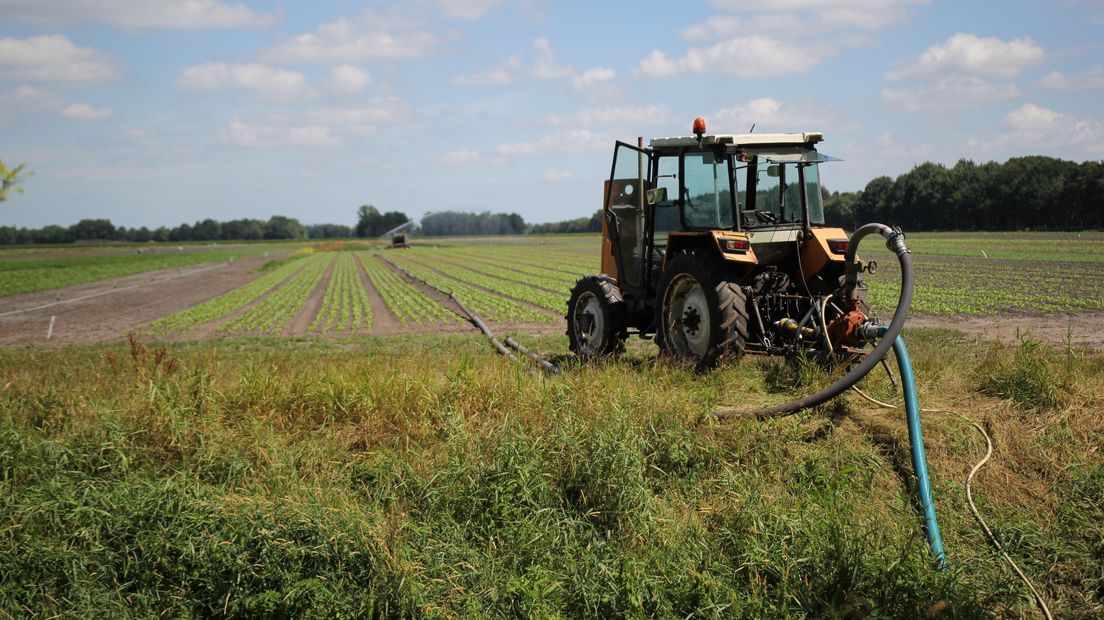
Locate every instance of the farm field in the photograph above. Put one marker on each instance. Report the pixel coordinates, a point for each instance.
(984, 283)
(317, 432)
(29, 270)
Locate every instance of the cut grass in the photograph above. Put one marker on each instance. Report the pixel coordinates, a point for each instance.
(423, 476)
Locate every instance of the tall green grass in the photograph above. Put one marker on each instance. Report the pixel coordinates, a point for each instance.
(423, 476)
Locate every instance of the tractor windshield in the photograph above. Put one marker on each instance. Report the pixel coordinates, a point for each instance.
(781, 190)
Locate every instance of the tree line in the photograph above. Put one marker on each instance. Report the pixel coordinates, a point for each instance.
(276, 227)
(1035, 192)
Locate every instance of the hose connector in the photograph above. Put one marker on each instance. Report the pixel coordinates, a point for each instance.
(895, 240)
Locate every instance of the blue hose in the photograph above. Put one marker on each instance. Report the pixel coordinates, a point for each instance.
(916, 441)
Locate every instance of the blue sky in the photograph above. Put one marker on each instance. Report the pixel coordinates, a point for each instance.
(158, 112)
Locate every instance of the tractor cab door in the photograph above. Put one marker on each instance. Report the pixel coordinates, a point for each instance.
(624, 210)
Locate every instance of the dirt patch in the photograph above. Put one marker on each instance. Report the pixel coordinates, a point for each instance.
(109, 309)
(1081, 329)
(302, 321)
(384, 323)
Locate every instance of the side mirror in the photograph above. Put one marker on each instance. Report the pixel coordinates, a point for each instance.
(773, 170)
(657, 194)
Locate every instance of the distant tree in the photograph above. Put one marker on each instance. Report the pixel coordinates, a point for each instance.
(11, 179)
(372, 223)
(280, 227)
(243, 230)
(329, 231)
(207, 230)
(88, 229)
(52, 234)
(181, 233)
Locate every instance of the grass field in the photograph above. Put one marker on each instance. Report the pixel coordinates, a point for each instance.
(31, 271)
(424, 476)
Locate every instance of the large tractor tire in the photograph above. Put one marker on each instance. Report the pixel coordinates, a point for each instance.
(596, 318)
(702, 314)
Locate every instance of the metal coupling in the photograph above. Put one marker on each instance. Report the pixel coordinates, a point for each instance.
(895, 240)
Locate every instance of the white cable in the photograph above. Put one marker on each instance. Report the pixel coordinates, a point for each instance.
(993, 539)
(970, 497)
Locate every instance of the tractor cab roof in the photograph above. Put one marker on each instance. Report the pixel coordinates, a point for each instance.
(742, 141)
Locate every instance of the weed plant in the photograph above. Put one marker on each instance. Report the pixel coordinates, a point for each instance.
(423, 476)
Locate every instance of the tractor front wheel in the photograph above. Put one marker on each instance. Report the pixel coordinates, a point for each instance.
(596, 318)
(701, 314)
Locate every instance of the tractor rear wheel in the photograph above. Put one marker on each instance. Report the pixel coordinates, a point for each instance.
(596, 318)
(702, 315)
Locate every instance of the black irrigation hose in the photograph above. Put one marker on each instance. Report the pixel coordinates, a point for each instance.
(544, 364)
(474, 319)
(895, 241)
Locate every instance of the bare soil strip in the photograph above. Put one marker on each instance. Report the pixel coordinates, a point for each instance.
(124, 309)
(1079, 329)
(301, 323)
(384, 322)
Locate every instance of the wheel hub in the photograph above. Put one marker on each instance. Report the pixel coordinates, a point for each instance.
(590, 324)
(687, 315)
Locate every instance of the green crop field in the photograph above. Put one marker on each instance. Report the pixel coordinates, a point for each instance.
(27, 271)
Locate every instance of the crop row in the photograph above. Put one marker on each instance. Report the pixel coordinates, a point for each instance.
(271, 314)
(490, 306)
(407, 303)
(508, 288)
(345, 306)
(512, 270)
(228, 302)
(977, 286)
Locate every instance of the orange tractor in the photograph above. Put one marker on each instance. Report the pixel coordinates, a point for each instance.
(716, 244)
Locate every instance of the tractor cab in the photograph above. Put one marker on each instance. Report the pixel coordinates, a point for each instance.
(724, 189)
(744, 210)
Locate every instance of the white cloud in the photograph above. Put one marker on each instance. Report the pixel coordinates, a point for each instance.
(972, 55)
(361, 119)
(868, 14)
(190, 14)
(592, 77)
(558, 175)
(962, 92)
(54, 58)
(1044, 128)
(544, 66)
(278, 134)
(261, 79)
(349, 79)
(85, 112)
(613, 116)
(470, 157)
(466, 10)
(1089, 80)
(501, 75)
(570, 141)
(368, 37)
(767, 115)
(729, 26)
(749, 57)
